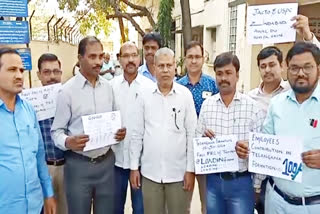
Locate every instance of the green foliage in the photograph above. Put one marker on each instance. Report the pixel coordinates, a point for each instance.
(165, 20)
(95, 19)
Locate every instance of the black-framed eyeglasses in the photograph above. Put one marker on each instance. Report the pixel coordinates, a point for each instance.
(306, 69)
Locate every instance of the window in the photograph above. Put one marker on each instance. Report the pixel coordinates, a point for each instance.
(233, 29)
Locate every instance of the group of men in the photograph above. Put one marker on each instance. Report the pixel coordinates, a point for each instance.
(160, 118)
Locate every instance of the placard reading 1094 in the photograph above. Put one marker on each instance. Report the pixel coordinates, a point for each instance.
(276, 156)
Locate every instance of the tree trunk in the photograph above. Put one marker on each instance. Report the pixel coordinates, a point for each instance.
(186, 22)
(123, 36)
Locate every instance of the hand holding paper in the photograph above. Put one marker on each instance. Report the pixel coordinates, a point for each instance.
(77, 143)
(302, 27)
(312, 159)
(242, 149)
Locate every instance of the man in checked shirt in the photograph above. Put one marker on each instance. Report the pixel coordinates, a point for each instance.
(50, 73)
(230, 113)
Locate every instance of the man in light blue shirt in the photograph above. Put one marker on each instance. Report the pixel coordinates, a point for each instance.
(297, 113)
(24, 176)
(151, 43)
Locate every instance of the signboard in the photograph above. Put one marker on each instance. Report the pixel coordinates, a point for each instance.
(216, 155)
(25, 55)
(276, 156)
(271, 23)
(14, 32)
(14, 8)
(257, 2)
(43, 100)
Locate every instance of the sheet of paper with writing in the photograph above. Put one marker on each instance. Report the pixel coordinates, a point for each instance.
(101, 129)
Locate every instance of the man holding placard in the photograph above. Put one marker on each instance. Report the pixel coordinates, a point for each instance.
(50, 73)
(230, 113)
(89, 175)
(165, 122)
(295, 113)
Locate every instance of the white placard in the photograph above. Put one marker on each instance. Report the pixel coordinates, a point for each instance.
(101, 129)
(271, 23)
(216, 155)
(276, 156)
(43, 100)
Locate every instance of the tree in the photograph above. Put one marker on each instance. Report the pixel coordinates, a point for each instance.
(165, 20)
(100, 10)
(186, 22)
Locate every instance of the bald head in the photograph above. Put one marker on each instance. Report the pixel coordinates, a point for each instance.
(128, 44)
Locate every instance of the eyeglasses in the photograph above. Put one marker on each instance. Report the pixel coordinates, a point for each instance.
(307, 69)
(55, 72)
(127, 56)
(191, 57)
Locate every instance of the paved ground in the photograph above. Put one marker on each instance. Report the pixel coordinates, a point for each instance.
(195, 205)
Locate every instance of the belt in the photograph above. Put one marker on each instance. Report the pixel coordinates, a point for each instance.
(295, 200)
(233, 175)
(56, 162)
(89, 159)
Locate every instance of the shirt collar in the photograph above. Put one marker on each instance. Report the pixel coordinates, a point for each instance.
(201, 80)
(316, 94)
(83, 81)
(138, 79)
(217, 97)
(281, 86)
(174, 89)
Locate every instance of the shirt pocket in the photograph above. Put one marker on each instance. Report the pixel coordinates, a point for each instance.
(176, 120)
(31, 137)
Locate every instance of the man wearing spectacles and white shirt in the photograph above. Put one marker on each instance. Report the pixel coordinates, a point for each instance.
(126, 88)
(162, 138)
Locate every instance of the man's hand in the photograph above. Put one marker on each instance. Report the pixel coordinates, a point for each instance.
(312, 158)
(77, 142)
(302, 27)
(209, 133)
(188, 181)
(242, 149)
(121, 134)
(50, 205)
(135, 179)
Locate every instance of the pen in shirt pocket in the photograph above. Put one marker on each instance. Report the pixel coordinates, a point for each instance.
(175, 116)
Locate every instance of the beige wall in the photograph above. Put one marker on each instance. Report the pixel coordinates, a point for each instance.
(67, 54)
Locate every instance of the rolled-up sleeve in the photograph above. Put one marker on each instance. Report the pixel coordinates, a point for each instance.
(137, 134)
(61, 120)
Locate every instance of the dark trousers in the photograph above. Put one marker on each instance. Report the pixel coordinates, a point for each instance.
(89, 184)
(121, 185)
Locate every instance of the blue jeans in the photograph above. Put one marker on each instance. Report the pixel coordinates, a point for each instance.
(121, 184)
(234, 196)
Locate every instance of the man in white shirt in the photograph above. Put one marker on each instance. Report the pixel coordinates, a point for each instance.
(162, 138)
(126, 88)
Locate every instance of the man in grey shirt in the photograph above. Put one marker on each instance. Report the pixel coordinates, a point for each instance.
(89, 176)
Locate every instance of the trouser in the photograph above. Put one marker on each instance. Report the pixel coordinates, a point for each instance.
(234, 196)
(56, 173)
(121, 184)
(159, 197)
(89, 183)
(275, 204)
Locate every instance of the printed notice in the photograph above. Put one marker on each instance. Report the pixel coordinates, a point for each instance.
(271, 23)
(276, 156)
(101, 129)
(43, 100)
(216, 155)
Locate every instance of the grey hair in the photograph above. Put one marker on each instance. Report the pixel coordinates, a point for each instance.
(163, 51)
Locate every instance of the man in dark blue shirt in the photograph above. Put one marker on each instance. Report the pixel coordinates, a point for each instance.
(201, 86)
(50, 73)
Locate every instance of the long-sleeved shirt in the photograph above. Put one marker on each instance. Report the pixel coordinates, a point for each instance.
(125, 96)
(241, 117)
(203, 89)
(76, 99)
(163, 134)
(24, 176)
(286, 117)
(52, 152)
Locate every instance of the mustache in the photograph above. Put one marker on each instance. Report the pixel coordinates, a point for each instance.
(222, 82)
(130, 63)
